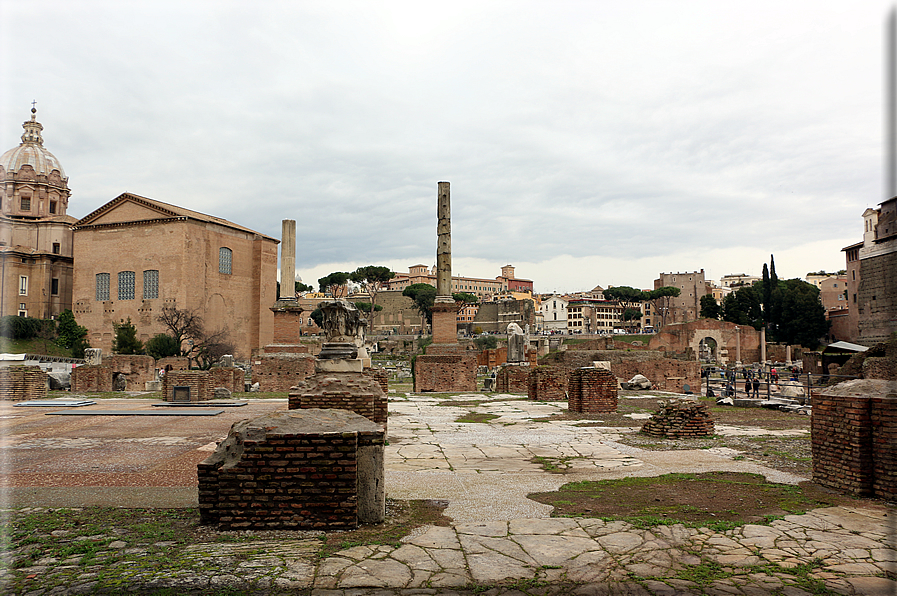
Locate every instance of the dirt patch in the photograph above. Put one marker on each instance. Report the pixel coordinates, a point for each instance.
(717, 500)
(728, 415)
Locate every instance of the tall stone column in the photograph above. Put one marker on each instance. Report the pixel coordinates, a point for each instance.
(763, 345)
(444, 241)
(445, 312)
(738, 345)
(288, 260)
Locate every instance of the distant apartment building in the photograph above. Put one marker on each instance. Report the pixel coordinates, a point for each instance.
(484, 288)
(594, 316)
(687, 305)
(872, 277)
(735, 280)
(833, 292)
(554, 313)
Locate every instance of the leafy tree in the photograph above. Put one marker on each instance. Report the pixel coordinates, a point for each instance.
(424, 296)
(662, 299)
(766, 297)
(466, 297)
(631, 314)
(710, 308)
(301, 287)
(372, 279)
(802, 314)
(317, 315)
(627, 297)
(744, 307)
(125, 340)
(486, 342)
(335, 284)
(72, 335)
(162, 345)
(14, 327)
(366, 306)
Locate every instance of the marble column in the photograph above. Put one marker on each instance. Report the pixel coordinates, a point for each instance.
(288, 260)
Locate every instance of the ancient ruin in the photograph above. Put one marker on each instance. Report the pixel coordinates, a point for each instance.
(308, 470)
(679, 419)
(446, 366)
(282, 364)
(592, 390)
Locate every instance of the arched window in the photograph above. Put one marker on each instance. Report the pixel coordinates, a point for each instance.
(225, 260)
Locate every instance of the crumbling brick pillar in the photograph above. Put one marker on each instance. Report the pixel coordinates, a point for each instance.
(512, 379)
(854, 438)
(306, 470)
(592, 390)
(547, 383)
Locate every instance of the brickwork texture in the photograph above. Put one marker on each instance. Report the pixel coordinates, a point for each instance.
(19, 383)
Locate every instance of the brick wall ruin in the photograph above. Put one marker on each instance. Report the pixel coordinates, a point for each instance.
(199, 382)
(138, 370)
(19, 383)
(309, 470)
(665, 374)
(445, 372)
(173, 363)
(548, 383)
(230, 378)
(513, 379)
(854, 431)
(679, 419)
(493, 357)
(592, 391)
(380, 375)
(90, 378)
(279, 371)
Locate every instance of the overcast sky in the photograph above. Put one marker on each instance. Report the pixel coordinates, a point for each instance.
(587, 143)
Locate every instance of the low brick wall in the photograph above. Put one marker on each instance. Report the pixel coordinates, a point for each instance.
(92, 378)
(280, 371)
(272, 478)
(547, 383)
(199, 381)
(445, 373)
(680, 419)
(854, 439)
(513, 379)
(228, 377)
(592, 390)
(20, 383)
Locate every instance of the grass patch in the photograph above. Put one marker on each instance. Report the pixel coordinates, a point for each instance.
(476, 417)
(716, 500)
(555, 465)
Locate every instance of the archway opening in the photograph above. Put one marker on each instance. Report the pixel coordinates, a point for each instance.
(708, 351)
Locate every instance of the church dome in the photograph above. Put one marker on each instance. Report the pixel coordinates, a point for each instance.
(31, 152)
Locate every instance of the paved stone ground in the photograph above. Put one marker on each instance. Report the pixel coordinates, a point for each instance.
(504, 544)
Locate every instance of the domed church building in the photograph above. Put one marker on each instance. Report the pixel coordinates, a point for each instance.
(36, 264)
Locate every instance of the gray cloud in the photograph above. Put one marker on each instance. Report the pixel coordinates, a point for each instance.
(647, 135)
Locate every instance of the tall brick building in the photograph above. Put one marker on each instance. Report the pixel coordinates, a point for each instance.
(872, 277)
(136, 255)
(687, 305)
(35, 236)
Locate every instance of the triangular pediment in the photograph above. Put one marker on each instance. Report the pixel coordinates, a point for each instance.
(128, 207)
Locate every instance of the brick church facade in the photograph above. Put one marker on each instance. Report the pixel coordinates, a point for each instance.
(136, 255)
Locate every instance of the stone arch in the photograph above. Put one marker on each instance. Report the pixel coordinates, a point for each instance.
(699, 335)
